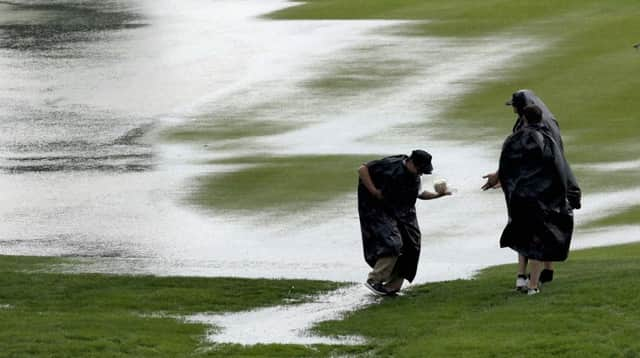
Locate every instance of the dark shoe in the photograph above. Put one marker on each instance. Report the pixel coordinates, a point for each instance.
(546, 276)
(376, 287)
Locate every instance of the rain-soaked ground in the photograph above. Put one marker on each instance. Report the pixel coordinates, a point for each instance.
(82, 174)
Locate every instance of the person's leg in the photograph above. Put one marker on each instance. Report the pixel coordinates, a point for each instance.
(522, 280)
(381, 272)
(536, 268)
(547, 273)
(522, 265)
(383, 268)
(394, 284)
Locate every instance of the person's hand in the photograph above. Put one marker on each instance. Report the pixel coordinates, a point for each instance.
(377, 193)
(492, 181)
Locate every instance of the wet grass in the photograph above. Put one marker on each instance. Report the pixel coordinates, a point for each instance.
(366, 69)
(446, 18)
(631, 215)
(44, 313)
(216, 131)
(280, 183)
(585, 72)
(584, 75)
(584, 79)
(589, 310)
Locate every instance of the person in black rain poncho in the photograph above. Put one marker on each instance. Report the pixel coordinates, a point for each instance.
(387, 193)
(534, 176)
(548, 123)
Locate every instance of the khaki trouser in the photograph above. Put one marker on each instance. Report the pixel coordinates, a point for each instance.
(384, 271)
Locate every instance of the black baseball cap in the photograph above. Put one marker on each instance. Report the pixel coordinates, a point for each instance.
(422, 161)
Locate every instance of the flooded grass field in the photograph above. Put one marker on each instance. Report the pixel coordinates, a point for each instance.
(222, 138)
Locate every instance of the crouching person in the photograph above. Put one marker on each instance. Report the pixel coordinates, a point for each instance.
(387, 193)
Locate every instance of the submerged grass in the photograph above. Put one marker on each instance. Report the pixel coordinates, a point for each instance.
(214, 132)
(228, 124)
(589, 310)
(282, 183)
(366, 69)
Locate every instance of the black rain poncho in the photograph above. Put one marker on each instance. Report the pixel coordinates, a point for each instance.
(390, 226)
(534, 176)
(550, 125)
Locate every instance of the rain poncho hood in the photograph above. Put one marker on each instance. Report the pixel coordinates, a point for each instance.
(549, 125)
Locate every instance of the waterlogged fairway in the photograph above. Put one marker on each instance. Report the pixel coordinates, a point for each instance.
(586, 73)
(589, 310)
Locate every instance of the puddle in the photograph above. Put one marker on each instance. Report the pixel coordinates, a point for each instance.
(290, 324)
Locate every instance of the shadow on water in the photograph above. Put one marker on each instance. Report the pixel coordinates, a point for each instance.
(44, 26)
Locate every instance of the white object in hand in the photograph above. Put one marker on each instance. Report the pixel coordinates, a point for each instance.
(440, 186)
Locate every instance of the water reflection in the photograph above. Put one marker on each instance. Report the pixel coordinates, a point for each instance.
(44, 46)
(51, 25)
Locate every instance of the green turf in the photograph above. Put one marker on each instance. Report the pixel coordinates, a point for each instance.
(594, 181)
(283, 184)
(589, 310)
(216, 132)
(363, 70)
(49, 314)
(630, 215)
(229, 124)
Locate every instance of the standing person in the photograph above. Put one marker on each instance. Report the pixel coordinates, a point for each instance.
(533, 174)
(387, 193)
(519, 100)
